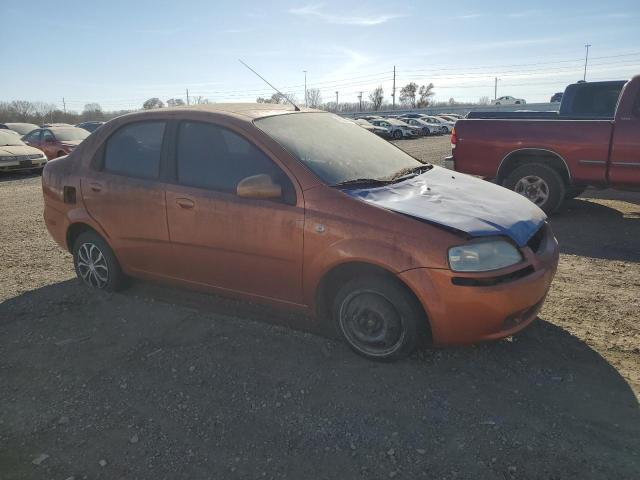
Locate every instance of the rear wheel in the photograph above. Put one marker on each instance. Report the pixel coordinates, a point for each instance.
(444, 129)
(397, 134)
(95, 263)
(377, 317)
(60, 154)
(539, 183)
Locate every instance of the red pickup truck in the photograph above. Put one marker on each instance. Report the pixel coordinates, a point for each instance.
(594, 140)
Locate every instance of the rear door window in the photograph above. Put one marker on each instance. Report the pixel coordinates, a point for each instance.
(135, 150)
(48, 136)
(33, 137)
(212, 157)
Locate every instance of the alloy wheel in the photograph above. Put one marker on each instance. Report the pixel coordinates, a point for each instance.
(92, 266)
(534, 188)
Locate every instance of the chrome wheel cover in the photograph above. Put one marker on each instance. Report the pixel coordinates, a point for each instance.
(534, 188)
(92, 265)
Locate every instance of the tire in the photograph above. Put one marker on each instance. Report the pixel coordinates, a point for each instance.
(497, 103)
(60, 154)
(574, 191)
(391, 313)
(518, 103)
(90, 249)
(539, 183)
(397, 134)
(444, 130)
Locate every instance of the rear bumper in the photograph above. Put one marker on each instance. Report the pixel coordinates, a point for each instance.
(461, 314)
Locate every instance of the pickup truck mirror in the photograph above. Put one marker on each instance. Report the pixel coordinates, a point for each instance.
(259, 186)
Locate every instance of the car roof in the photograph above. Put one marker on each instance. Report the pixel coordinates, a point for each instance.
(242, 111)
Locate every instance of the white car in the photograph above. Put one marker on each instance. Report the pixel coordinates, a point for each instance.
(16, 155)
(425, 128)
(382, 131)
(397, 129)
(508, 100)
(441, 125)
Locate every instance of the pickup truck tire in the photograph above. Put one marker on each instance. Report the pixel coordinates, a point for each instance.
(539, 183)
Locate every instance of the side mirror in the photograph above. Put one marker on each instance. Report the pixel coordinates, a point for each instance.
(259, 186)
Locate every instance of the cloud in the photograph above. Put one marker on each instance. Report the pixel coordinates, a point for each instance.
(468, 16)
(364, 21)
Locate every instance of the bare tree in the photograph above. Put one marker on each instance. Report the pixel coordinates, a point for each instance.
(483, 101)
(22, 108)
(278, 98)
(314, 99)
(425, 92)
(199, 100)
(408, 94)
(175, 102)
(376, 97)
(153, 103)
(452, 101)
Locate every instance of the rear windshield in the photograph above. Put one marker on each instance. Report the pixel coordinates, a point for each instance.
(335, 149)
(595, 100)
(70, 134)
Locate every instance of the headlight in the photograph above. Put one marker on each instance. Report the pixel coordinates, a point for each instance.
(483, 256)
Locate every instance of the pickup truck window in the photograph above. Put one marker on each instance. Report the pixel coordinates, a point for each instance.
(596, 101)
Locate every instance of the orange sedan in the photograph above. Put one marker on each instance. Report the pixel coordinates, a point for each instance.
(306, 210)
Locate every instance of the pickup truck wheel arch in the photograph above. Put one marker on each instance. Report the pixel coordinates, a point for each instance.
(525, 156)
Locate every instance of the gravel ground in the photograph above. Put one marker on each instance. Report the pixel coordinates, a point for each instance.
(161, 383)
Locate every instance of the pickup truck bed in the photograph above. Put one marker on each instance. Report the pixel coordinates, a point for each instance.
(550, 159)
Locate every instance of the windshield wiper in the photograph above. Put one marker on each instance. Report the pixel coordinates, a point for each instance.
(361, 181)
(410, 172)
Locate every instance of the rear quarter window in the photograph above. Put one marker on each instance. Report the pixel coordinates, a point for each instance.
(135, 150)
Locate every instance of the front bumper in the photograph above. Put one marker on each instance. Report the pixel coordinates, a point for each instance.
(464, 313)
(449, 162)
(13, 165)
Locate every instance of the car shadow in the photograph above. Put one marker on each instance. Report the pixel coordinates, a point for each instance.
(209, 385)
(18, 175)
(586, 228)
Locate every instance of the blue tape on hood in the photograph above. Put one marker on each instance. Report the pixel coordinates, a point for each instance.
(459, 201)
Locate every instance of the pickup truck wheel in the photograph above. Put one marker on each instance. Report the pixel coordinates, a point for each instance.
(377, 317)
(539, 183)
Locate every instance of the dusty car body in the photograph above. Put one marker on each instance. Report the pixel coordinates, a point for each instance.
(16, 155)
(263, 203)
(56, 141)
(21, 128)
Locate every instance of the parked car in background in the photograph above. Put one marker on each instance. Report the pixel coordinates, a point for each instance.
(439, 123)
(396, 128)
(90, 126)
(448, 118)
(508, 100)
(412, 115)
(593, 141)
(56, 141)
(556, 97)
(16, 155)
(22, 128)
(382, 131)
(353, 229)
(425, 128)
(60, 124)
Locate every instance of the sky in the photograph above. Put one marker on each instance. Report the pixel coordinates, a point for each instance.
(120, 53)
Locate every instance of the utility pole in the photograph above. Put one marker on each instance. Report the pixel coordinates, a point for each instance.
(495, 88)
(305, 88)
(360, 100)
(586, 59)
(337, 101)
(64, 106)
(393, 95)
(188, 96)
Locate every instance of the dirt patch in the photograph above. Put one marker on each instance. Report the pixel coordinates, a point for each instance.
(163, 383)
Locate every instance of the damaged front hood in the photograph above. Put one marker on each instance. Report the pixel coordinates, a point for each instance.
(459, 201)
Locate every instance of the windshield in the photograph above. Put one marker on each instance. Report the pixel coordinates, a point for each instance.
(70, 134)
(10, 140)
(335, 149)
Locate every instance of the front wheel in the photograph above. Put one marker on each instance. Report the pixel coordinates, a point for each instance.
(444, 130)
(397, 134)
(95, 263)
(377, 317)
(539, 183)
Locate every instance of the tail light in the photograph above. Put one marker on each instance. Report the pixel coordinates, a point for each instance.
(454, 138)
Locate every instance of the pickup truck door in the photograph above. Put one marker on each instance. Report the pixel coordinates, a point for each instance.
(624, 162)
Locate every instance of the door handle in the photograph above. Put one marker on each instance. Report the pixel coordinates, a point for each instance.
(185, 203)
(96, 187)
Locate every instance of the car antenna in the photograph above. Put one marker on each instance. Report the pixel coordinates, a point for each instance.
(265, 81)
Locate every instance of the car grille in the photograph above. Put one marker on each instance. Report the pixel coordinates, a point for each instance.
(536, 243)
